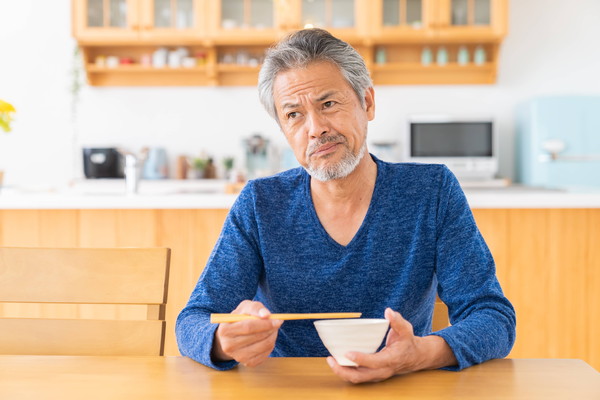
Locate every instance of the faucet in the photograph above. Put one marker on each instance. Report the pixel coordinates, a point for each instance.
(132, 174)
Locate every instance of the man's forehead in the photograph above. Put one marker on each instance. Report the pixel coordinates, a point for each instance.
(317, 82)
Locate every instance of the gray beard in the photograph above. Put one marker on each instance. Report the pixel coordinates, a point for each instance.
(340, 170)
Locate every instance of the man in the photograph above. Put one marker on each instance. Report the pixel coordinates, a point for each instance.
(346, 232)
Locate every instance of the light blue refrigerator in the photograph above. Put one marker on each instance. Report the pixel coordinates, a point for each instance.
(571, 126)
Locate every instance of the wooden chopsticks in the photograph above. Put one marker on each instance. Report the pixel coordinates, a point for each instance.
(220, 318)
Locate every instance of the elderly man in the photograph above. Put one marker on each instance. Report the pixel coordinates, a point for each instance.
(345, 232)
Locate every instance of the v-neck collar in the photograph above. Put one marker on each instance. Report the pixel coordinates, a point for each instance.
(366, 220)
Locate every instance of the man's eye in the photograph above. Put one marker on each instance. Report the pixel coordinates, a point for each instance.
(328, 104)
(292, 115)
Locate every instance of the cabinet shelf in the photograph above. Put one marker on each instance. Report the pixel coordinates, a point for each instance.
(237, 68)
(417, 74)
(453, 67)
(135, 68)
(139, 75)
(215, 33)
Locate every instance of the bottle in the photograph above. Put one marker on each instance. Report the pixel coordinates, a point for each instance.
(210, 172)
(442, 56)
(159, 57)
(380, 56)
(463, 55)
(479, 57)
(426, 56)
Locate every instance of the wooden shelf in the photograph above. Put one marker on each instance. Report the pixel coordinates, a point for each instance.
(237, 68)
(136, 68)
(138, 75)
(418, 74)
(403, 44)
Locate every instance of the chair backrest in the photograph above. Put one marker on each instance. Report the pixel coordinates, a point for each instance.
(78, 277)
(440, 316)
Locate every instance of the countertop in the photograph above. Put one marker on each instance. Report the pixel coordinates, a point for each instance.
(210, 194)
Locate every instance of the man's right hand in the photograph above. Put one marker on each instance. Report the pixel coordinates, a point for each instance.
(249, 342)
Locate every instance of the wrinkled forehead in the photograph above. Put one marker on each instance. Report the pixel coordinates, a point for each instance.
(309, 81)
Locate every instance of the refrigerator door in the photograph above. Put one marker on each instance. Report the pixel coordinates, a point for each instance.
(572, 120)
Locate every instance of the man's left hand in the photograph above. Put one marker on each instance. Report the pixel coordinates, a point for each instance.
(403, 353)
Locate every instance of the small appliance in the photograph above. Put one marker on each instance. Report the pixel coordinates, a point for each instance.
(558, 141)
(102, 162)
(467, 145)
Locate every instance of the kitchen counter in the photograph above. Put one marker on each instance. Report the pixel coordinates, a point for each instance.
(210, 194)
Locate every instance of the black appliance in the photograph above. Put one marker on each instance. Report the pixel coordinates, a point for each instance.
(102, 162)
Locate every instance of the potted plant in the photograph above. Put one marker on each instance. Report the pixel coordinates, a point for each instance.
(6, 115)
(199, 164)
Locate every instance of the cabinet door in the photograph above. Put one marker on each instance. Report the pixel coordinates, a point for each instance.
(400, 20)
(347, 19)
(245, 21)
(471, 20)
(105, 20)
(172, 19)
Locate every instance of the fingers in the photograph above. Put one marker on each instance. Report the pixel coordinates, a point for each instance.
(398, 324)
(255, 308)
(358, 374)
(249, 342)
(397, 357)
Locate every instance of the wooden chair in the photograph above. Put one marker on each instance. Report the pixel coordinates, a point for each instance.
(77, 278)
(440, 316)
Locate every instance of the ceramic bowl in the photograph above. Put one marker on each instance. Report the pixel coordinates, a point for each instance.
(343, 335)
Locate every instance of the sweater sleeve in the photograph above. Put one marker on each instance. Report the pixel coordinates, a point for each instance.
(231, 275)
(483, 320)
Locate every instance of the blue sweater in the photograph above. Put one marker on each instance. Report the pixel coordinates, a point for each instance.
(418, 238)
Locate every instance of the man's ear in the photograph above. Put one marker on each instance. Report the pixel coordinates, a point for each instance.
(370, 103)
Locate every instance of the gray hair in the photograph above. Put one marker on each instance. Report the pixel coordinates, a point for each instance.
(301, 48)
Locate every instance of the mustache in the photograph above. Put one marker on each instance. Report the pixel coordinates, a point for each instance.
(324, 140)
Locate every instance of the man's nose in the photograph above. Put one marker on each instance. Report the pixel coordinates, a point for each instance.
(317, 125)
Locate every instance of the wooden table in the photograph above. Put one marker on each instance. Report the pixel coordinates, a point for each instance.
(179, 378)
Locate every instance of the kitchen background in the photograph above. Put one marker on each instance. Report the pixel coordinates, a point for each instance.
(551, 48)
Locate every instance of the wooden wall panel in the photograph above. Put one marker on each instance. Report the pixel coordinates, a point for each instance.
(566, 305)
(136, 228)
(493, 225)
(20, 228)
(592, 288)
(98, 228)
(58, 228)
(175, 231)
(191, 235)
(528, 280)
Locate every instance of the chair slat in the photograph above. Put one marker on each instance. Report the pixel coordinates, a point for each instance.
(111, 276)
(81, 337)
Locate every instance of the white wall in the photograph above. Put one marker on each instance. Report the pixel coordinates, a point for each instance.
(552, 48)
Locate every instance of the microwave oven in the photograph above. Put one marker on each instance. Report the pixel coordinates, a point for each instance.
(466, 145)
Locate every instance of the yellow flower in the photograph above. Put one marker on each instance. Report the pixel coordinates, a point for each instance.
(6, 113)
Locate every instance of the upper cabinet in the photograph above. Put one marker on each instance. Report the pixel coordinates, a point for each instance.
(471, 20)
(268, 20)
(409, 20)
(436, 41)
(346, 19)
(222, 42)
(239, 21)
(136, 21)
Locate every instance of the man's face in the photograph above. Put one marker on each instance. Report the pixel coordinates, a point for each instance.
(322, 118)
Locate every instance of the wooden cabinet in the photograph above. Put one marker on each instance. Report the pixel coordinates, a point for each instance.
(138, 21)
(402, 41)
(106, 22)
(437, 41)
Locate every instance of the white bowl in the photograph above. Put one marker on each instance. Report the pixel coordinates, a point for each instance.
(343, 335)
